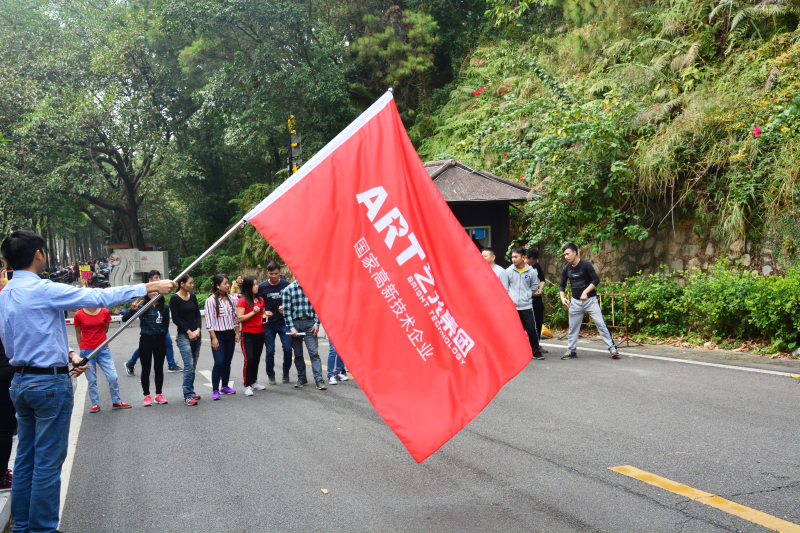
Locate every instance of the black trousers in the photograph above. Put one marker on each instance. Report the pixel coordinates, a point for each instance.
(8, 423)
(529, 324)
(152, 347)
(252, 346)
(538, 313)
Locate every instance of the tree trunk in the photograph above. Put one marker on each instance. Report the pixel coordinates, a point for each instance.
(52, 255)
(133, 231)
(86, 248)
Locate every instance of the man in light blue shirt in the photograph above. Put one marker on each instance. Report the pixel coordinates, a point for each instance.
(34, 333)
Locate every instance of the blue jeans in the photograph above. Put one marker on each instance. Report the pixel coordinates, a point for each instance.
(334, 360)
(44, 408)
(170, 353)
(106, 363)
(190, 352)
(269, 345)
(222, 358)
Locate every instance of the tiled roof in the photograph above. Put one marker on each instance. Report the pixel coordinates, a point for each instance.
(459, 183)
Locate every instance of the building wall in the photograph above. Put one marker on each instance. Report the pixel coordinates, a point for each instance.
(493, 214)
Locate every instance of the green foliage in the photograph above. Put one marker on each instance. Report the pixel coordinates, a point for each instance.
(650, 119)
(715, 303)
(402, 53)
(187, 262)
(508, 12)
(228, 265)
(209, 265)
(774, 307)
(258, 63)
(200, 281)
(256, 251)
(202, 297)
(205, 288)
(553, 84)
(555, 314)
(726, 302)
(654, 304)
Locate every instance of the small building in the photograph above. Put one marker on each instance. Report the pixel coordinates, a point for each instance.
(480, 201)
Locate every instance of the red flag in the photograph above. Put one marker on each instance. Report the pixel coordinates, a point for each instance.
(422, 322)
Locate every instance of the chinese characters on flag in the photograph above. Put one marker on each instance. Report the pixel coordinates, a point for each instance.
(416, 313)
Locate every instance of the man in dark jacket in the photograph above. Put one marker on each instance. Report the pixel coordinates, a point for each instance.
(582, 281)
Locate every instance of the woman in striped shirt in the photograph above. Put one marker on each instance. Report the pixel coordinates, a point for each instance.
(221, 323)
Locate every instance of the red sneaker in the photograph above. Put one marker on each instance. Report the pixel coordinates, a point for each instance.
(121, 405)
(95, 409)
(190, 401)
(196, 396)
(160, 399)
(5, 481)
(148, 401)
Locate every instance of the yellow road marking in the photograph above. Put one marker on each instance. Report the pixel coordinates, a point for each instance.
(706, 498)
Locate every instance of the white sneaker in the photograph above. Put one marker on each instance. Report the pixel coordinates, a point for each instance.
(332, 381)
(258, 386)
(248, 391)
(342, 377)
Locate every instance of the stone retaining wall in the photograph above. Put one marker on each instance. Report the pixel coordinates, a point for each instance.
(678, 249)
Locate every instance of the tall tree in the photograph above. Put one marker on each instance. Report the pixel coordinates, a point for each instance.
(101, 130)
(264, 61)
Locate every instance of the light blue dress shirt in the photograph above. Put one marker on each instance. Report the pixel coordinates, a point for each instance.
(32, 325)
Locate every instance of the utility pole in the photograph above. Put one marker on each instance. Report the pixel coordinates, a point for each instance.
(294, 147)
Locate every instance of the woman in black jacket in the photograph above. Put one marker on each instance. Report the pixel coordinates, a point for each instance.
(186, 315)
(153, 324)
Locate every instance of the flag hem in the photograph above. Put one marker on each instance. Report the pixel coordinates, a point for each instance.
(320, 156)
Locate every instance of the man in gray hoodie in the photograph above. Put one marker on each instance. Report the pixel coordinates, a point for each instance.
(522, 282)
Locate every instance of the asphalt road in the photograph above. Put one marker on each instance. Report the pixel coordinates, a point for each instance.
(536, 459)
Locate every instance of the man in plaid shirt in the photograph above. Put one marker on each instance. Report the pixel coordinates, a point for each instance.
(303, 325)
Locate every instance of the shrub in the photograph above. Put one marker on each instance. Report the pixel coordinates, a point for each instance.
(715, 303)
(555, 314)
(201, 299)
(188, 261)
(199, 281)
(206, 286)
(774, 307)
(654, 304)
(209, 265)
(228, 264)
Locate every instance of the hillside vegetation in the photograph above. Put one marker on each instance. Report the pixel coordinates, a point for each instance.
(630, 114)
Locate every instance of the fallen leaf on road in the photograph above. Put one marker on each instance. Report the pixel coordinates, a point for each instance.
(324, 491)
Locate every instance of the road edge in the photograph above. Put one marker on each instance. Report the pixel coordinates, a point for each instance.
(72, 440)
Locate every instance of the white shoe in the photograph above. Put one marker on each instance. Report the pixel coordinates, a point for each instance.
(248, 391)
(332, 381)
(258, 386)
(342, 377)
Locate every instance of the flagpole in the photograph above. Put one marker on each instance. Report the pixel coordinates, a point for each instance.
(150, 303)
